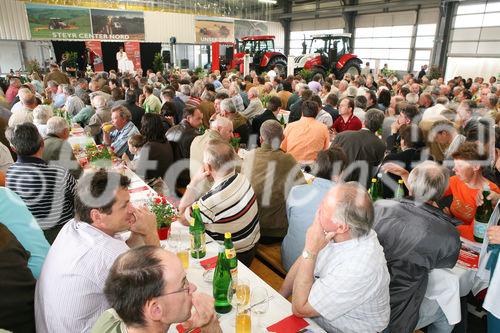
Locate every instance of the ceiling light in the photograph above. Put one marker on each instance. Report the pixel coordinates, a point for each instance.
(272, 2)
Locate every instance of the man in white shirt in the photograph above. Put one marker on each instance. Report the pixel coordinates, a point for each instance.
(435, 111)
(342, 280)
(69, 294)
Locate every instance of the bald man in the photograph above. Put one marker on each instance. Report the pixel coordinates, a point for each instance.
(343, 259)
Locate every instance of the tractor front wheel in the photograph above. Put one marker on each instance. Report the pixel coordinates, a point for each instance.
(351, 67)
(279, 64)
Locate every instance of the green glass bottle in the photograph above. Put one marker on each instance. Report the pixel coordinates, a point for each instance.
(282, 120)
(375, 190)
(231, 257)
(197, 233)
(400, 191)
(482, 217)
(222, 283)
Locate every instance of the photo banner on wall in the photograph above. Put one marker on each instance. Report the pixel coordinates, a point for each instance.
(95, 54)
(57, 22)
(133, 50)
(243, 28)
(214, 31)
(117, 25)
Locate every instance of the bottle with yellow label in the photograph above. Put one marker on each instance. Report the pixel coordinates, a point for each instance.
(231, 257)
(197, 233)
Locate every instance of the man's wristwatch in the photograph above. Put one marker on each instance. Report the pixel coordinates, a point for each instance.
(308, 255)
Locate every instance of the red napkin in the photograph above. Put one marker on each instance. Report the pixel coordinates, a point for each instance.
(209, 263)
(181, 329)
(138, 189)
(290, 324)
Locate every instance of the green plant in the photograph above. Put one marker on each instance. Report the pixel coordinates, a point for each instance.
(71, 58)
(165, 213)
(158, 65)
(435, 73)
(32, 65)
(200, 72)
(306, 74)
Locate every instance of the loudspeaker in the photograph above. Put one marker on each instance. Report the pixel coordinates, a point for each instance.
(166, 56)
(184, 63)
(173, 40)
(229, 54)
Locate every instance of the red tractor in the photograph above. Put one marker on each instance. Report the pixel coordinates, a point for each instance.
(329, 53)
(261, 51)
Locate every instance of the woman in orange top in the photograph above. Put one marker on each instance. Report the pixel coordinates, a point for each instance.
(466, 185)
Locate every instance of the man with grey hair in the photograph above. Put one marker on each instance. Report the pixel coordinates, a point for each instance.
(123, 128)
(342, 259)
(73, 103)
(57, 150)
(229, 205)
(364, 145)
(220, 129)
(102, 115)
(241, 126)
(417, 237)
(272, 173)
(255, 107)
(24, 113)
(41, 114)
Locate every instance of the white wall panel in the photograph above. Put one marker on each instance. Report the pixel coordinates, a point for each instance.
(320, 24)
(386, 19)
(490, 34)
(463, 47)
(159, 27)
(10, 58)
(472, 67)
(466, 34)
(428, 15)
(13, 20)
(276, 29)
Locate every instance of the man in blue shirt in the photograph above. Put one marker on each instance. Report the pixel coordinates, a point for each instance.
(303, 202)
(123, 129)
(18, 219)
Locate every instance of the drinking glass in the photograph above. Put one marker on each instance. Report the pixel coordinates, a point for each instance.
(259, 303)
(242, 292)
(243, 320)
(180, 243)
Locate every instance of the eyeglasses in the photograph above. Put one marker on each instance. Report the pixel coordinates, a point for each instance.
(185, 287)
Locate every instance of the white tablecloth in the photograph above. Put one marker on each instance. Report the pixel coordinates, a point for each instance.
(279, 307)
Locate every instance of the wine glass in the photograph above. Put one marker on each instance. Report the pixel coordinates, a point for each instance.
(242, 288)
(260, 303)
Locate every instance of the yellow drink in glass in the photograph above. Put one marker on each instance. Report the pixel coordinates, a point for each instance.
(243, 322)
(184, 257)
(242, 294)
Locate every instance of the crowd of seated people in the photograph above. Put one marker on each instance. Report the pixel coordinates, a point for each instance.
(310, 152)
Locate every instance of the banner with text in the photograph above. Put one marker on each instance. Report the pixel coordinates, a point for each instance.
(133, 50)
(96, 54)
(58, 22)
(117, 25)
(214, 31)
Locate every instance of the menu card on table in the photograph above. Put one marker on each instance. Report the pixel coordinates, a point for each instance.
(290, 324)
(469, 254)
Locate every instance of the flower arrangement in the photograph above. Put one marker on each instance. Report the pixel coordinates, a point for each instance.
(99, 156)
(235, 141)
(164, 211)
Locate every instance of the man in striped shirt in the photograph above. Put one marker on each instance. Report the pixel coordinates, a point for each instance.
(230, 205)
(47, 190)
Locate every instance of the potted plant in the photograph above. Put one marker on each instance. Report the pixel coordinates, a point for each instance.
(235, 141)
(165, 214)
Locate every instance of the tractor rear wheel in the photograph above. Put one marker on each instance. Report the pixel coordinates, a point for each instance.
(351, 67)
(279, 64)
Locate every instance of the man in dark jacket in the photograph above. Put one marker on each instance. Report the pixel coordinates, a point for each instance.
(136, 111)
(181, 136)
(270, 113)
(417, 237)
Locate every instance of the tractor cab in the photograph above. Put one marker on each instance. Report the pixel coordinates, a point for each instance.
(257, 46)
(331, 47)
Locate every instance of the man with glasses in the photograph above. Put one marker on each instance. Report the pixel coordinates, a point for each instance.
(148, 290)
